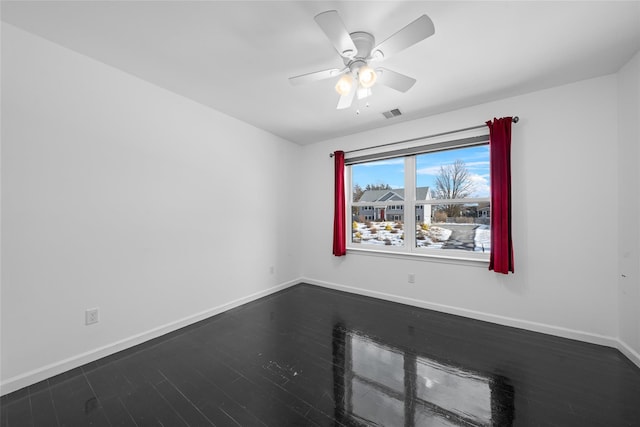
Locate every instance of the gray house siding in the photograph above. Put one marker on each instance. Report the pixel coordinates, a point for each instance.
(393, 212)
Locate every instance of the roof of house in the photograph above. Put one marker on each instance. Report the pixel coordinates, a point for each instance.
(422, 193)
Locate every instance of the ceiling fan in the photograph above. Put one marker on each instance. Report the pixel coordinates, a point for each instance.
(357, 50)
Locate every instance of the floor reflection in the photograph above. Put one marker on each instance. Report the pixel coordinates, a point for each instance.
(377, 384)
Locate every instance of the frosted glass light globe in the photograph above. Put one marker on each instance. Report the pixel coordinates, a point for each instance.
(343, 86)
(367, 76)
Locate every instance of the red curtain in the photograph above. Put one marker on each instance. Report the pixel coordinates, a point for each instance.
(339, 226)
(501, 258)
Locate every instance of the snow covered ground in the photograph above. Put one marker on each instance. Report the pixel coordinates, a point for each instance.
(385, 233)
(391, 233)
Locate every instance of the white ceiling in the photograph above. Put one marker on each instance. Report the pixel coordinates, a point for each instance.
(236, 56)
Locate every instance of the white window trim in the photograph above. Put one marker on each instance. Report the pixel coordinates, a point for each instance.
(410, 250)
(444, 259)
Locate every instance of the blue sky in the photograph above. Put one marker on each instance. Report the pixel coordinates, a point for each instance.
(427, 168)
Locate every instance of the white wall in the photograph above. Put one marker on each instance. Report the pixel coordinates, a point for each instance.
(564, 153)
(120, 195)
(629, 204)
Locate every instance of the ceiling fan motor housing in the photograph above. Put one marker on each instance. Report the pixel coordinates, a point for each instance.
(355, 65)
(364, 43)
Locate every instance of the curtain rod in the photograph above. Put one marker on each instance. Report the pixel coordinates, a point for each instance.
(515, 119)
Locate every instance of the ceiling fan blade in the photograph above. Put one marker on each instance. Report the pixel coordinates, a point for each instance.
(316, 76)
(364, 92)
(337, 33)
(346, 100)
(416, 31)
(394, 80)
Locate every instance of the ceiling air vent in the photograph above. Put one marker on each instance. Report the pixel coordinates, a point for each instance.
(392, 113)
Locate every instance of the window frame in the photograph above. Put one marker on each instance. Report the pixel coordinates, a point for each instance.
(409, 248)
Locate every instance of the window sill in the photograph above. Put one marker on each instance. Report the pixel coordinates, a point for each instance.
(459, 260)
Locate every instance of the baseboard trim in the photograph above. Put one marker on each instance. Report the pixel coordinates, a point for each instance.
(478, 315)
(23, 380)
(630, 353)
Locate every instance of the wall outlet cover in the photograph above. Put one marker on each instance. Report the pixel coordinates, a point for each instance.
(91, 316)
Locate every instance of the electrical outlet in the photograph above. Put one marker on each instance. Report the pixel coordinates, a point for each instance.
(412, 278)
(91, 316)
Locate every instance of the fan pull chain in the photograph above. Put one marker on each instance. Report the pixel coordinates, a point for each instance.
(358, 109)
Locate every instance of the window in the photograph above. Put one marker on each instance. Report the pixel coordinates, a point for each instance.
(447, 188)
(381, 229)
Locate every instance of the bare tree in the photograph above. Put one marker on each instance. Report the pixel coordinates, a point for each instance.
(379, 186)
(357, 192)
(453, 182)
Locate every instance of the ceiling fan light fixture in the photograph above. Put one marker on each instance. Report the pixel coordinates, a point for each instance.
(367, 76)
(344, 85)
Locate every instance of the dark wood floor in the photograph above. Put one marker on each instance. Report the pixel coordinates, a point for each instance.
(309, 356)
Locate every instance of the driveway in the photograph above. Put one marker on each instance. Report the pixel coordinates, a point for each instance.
(462, 236)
